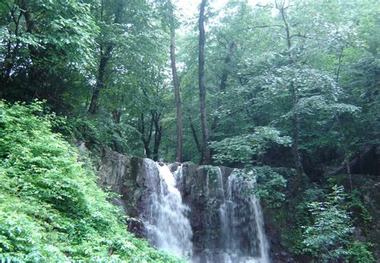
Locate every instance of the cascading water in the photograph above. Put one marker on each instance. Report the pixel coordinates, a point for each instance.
(264, 246)
(237, 230)
(225, 216)
(164, 217)
(241, 216)
(221, 222)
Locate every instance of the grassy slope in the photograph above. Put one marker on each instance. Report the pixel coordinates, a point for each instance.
(51, 209)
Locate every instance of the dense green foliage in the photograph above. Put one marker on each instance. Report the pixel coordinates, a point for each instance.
(51, 209)
(328, 236)
(293, 96)
(243, 148)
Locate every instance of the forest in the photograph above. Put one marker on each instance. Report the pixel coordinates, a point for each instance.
(287, 91)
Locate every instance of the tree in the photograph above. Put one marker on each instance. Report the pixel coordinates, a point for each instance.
(112, 14)
(176, 85)
(43, 44)
(293, 91)
(206, 154)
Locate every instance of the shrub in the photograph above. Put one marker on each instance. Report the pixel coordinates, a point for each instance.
(329, 238)
(360, 253)
(51, 209)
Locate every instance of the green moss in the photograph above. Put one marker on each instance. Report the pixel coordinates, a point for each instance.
(51, 209)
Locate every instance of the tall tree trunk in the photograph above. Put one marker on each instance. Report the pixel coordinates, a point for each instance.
(176, 85)
(295, 98)
(195, 136)
(33, 51)
(105, 56)
(296, 134)
(206, 155)
(337, 72)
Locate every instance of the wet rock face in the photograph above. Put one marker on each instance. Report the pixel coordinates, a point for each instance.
(136, 226)
(222, 215)
(126, 177)
(202, 188)
(113, 172)
(222, 218)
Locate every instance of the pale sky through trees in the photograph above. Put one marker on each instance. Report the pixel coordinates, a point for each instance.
(188, 8)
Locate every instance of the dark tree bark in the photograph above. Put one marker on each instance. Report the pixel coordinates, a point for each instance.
(176, 85)
(156, 117)
(146, 138)
(206, 155)
(33, 51)
(100, 79)
(105, 56)
(154, 128)
(116, 116)
(195, 136)
(29, 23)
(337, 72)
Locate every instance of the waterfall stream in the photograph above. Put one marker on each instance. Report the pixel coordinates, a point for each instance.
(232, 220)
(236, 247)
(166, 223)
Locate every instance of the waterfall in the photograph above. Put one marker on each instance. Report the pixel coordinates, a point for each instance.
(241, 219)
(259, 220)
(165, 218)
(225, 215)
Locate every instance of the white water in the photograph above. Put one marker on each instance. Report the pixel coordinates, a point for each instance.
(167, 225)
(242, 236)
(229, 221)
(259, 220)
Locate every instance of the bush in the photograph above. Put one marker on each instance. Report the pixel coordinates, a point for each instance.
(244, 147)
(329, 238)
(360, 253)
(51, 209)
(270, 186)
(101, 131)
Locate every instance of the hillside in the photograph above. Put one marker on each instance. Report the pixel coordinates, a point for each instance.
(51, 209)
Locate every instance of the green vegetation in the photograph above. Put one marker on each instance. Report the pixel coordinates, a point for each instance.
(51, 209)
(287, 89)
(327, 237)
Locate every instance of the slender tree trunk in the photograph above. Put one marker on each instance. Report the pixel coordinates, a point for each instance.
(34, 53)
(348, 169)
(295, 99)
(105, 56)
(296, 133)
(157, 134)
(146, 138)
(206, 155)
(100, 79)
(176, 85)
(195, 136)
